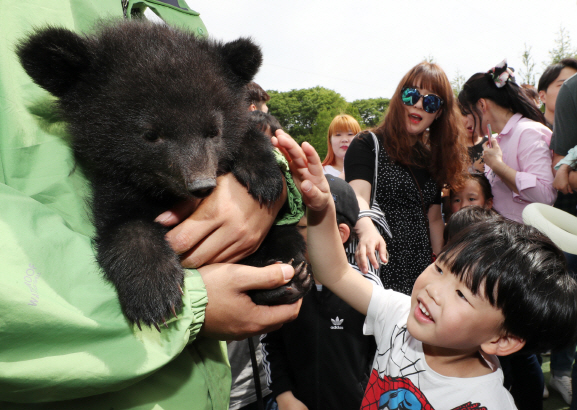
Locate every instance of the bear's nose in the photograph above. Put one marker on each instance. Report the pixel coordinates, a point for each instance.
(202, 187)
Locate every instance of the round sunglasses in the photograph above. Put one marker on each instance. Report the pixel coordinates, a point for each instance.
(431, 102)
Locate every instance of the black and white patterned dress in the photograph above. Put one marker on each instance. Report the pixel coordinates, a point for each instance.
(398, 197)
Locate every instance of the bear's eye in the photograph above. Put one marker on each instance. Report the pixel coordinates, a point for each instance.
(151, 136)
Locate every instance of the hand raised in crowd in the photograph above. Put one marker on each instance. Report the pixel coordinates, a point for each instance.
(370, 240)
(226, 226)
(230, 313)
(561, 182)
(306, 169)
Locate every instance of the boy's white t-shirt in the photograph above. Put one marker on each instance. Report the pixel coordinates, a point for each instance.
(401, 377)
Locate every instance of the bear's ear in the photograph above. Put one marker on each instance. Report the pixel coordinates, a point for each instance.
(54, 58)
(243, 58)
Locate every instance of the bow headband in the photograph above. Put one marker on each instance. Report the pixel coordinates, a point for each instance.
(501, 74)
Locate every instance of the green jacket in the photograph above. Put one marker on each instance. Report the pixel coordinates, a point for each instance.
(64, 342)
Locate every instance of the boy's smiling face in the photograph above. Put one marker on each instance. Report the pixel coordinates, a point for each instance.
(445, 314)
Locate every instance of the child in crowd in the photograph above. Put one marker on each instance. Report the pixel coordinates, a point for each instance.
(475, 191)
(498, 287)
(342, 130)
(322, 360)
(265, 122)
(256, 97)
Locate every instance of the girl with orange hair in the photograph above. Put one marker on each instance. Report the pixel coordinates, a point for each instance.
(342, 130)
(419, 151)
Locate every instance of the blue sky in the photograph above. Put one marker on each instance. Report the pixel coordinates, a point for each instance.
(362, 48)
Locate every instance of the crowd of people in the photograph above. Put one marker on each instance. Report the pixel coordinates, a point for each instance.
(430, 287)
(434, 165)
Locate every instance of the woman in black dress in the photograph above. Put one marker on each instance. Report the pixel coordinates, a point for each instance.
(419, 152)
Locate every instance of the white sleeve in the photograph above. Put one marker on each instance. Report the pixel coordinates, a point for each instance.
(387, 309)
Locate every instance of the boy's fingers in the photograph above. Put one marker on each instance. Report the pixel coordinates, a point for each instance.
(313, 197)
(295, 152)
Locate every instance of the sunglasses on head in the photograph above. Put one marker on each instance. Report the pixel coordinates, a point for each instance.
(431, 102)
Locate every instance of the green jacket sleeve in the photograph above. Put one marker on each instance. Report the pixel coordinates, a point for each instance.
(65, 342)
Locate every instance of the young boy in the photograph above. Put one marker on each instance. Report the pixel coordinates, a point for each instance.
(497, 287)
(322, 359)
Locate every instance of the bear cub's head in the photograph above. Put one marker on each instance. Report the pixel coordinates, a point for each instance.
(147, 97)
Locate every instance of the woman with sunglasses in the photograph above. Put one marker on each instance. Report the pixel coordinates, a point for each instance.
(419, 151)
(517, 159)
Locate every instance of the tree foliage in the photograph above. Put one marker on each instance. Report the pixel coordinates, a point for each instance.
(563, 48)
(457, 83)
(527, 72)
(371, 110)
(307, 113)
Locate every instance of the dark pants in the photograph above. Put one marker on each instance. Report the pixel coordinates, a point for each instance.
(524, 379)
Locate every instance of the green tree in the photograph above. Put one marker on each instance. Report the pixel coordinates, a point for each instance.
(563, 48)
(527, 73)
(297, 110)
(371, 110)
(457, 83)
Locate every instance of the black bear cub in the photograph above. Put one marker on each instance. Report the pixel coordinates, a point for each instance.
(157, 114)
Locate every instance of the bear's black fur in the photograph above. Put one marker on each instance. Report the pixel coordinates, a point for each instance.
(156, 114)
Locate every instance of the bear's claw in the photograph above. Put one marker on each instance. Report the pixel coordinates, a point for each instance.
(288, 293)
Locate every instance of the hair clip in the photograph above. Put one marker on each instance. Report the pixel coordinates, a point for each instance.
(501, 74)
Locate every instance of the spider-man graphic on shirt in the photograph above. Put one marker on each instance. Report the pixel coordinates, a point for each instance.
(399, 393)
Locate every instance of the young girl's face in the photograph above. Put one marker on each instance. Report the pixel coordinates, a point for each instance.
(471, 194)
(340, 142)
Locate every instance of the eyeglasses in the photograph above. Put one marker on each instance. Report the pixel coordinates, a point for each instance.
(431, 102)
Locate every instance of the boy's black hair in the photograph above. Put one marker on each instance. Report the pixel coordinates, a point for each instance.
(262, 120)
(523, 273)
(466, 216)
(552, 72)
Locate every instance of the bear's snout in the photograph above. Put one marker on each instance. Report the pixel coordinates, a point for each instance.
(201, 188)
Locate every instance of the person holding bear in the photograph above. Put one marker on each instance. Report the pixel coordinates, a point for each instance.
(71, 346)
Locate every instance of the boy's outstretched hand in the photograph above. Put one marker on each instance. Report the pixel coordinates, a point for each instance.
(306, 169)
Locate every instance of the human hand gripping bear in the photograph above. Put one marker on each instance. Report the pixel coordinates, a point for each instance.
(156, 115)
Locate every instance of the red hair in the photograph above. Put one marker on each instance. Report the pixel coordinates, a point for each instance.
(341, 123)
(443, 152)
